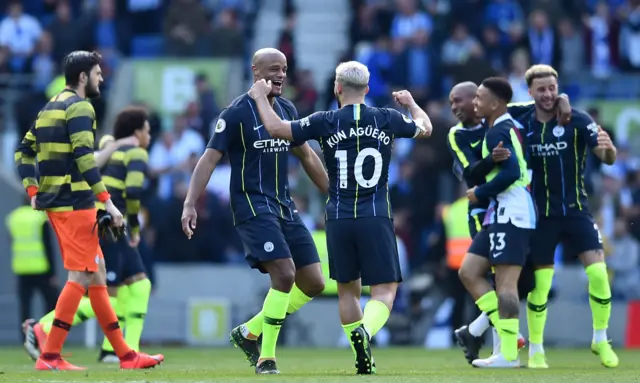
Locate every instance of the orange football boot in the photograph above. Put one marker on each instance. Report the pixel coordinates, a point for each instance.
(142, 361)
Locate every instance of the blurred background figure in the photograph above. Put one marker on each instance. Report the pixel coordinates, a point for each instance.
(32, 258)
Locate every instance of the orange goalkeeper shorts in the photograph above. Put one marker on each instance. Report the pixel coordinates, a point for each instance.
(78, 241)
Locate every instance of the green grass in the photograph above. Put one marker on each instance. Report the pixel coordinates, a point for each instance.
(323, 365)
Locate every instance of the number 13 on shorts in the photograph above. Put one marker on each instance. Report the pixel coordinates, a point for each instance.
(497, 242)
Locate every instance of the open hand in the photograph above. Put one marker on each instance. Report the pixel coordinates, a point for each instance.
(471, 195)
(189, 218)
(500, 153)
(564, 111)
(604, 140)
(260, 88)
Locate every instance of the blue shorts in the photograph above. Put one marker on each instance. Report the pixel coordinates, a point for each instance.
(502, 244)
(266, 238)
(577, 233)
(363, 248)
(121, 260)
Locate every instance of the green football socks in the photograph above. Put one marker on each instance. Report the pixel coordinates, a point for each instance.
(537, 305)
(119, 306)
(137, 303)
(508, 331)
(84, 313)
(488, 303)
(375, 316)
(274, 311)
(297, 299)
(599, 299)
(348, 328)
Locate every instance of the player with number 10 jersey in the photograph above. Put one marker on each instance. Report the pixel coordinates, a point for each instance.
(357, 142)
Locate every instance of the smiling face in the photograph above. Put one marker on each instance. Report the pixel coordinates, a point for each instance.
(271, 66)
(544, 92)
(461, 101)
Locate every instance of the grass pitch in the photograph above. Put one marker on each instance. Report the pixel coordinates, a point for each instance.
(191, 365)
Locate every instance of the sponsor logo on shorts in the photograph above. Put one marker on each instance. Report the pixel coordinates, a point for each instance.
(268, 247)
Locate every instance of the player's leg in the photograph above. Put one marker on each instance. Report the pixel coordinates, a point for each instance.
(91, 260)
(473, 274)
(309, 282)
(509, 249)
(585, 240)
(36, 332)
(135, 294)
(113, 260)
(268, 252)
(78, 279)
(544, 241)
(344, 268)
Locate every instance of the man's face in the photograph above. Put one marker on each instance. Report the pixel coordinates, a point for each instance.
(544, 92)
(92, 87)
(272, 67)
(462, 105)
(144, 135)
(484, 103)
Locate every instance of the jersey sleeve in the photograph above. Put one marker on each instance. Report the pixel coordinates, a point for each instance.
(135, 160)
(81, 125)
(105, 140)
(587, 128)
(519, 109)
(508, 170)
(401, 125)
(223, 133)
(25, 160)
(309, 128)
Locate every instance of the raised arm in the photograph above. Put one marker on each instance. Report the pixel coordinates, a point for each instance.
(80, 119)
(25, 160)
(419, 116)
(108, 145)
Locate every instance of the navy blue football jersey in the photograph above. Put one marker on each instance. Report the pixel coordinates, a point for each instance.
(356, 141)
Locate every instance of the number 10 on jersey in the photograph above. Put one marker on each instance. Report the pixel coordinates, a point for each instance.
(343, 168)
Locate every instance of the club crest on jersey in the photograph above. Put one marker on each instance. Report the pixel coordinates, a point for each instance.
(558, 131)
(220, 126)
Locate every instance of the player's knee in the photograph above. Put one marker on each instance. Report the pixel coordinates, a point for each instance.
(467, 275)
(508, 305)
(384, 293)
(282, 273)
(83, 278)
(314, 287)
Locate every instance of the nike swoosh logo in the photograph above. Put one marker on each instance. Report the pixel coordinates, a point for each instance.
(257, 127)
(496, 255)
(474, 144)
(529, 134)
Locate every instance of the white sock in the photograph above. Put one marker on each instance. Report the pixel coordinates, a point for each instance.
(245, 331)
(599, 336)
(496, 341)
(535, 348)
(479, 325)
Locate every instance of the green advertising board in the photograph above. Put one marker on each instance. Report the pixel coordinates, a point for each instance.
(623, 117)
(168, 85)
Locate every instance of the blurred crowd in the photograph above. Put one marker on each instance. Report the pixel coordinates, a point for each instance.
(424, 46)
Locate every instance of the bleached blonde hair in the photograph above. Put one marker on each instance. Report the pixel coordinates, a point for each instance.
(539, 71)
(353, 75)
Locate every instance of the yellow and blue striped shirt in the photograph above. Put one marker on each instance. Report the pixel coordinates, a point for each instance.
(124, 176)
(61, 141)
